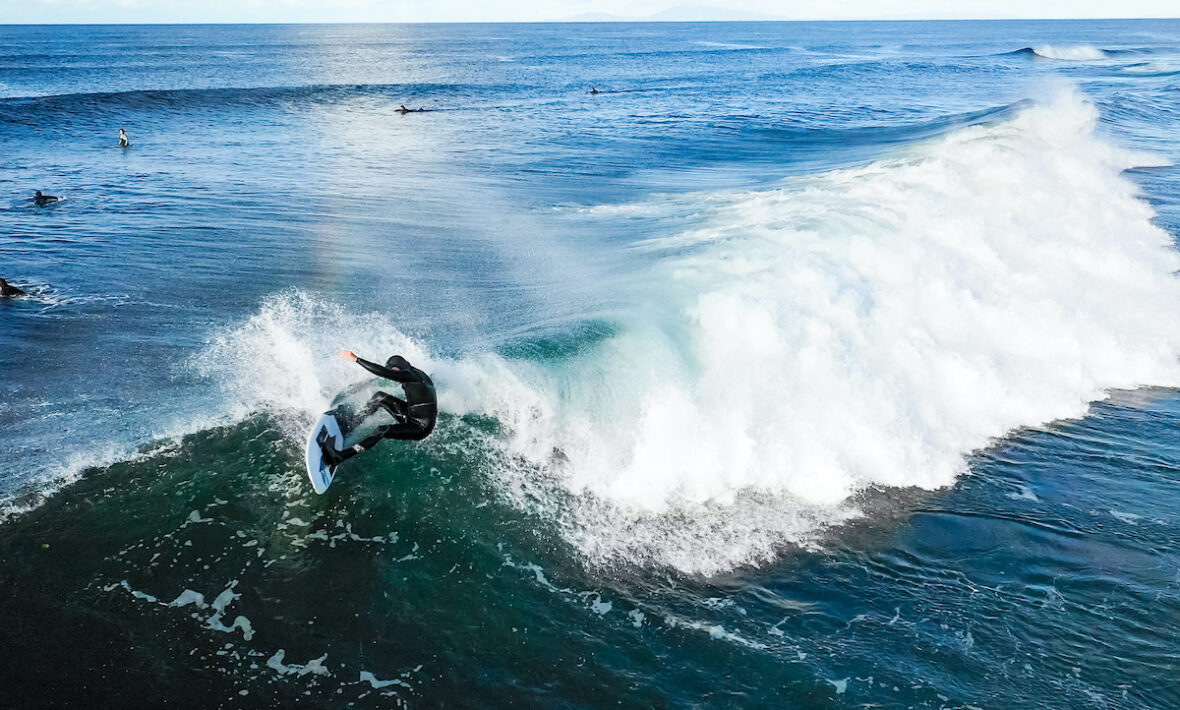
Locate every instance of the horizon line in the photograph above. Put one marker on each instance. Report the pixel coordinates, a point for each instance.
(622, 21)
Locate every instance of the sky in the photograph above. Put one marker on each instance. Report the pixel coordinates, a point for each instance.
(169, 11)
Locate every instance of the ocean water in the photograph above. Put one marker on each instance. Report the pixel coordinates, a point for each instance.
(803, 365)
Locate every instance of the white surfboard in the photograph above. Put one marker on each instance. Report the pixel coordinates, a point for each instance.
(319, 473)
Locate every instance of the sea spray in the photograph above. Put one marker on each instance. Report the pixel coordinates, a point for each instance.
(284, 359)
(864, 327)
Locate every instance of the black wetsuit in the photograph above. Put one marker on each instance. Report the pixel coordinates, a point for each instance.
(415, 415)
(7, 290)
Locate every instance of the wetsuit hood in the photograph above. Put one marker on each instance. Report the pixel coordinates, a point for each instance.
(399, 362)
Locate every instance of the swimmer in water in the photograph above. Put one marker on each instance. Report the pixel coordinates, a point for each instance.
(123, 142)
(42, 200)
(7, 290)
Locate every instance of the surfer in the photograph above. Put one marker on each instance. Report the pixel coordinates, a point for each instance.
(123, 142)
(42, 200)
(7, 290)
(415, 415)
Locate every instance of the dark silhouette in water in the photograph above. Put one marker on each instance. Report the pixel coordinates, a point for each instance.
(7, 290)
(594, 90)
(403, 110)
(123, 142)
(42, 200)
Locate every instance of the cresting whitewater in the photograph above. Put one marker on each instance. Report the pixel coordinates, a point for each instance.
(851, 397)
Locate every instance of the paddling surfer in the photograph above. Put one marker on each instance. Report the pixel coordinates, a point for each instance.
(42, 200)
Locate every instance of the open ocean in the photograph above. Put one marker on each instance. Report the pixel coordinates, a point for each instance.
(804, 365)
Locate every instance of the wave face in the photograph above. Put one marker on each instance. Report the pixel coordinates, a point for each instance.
(862, 328)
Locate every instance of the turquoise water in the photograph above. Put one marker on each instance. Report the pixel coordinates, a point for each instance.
(805, 365)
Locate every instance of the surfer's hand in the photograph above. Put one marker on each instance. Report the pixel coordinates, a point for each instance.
(348, 355)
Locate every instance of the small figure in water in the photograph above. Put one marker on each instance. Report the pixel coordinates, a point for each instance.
(123, 142)
(415, 415)
(7, 290)
(594, 90)
(42, 200)
(403, 110)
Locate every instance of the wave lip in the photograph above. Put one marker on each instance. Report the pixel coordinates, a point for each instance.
(1072, 53)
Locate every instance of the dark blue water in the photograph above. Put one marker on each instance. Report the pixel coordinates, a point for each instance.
(798, 365)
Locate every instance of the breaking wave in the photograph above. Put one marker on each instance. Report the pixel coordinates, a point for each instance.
(862, 328)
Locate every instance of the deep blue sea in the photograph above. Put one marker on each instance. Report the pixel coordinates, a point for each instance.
(791, 365)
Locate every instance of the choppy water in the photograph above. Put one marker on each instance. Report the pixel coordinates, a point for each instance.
(804, 365)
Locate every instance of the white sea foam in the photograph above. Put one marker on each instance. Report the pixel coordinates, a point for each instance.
(1076, 53)
(187, 597)
(865, 327)
(368, 677)
(860, 328)
(315, 666)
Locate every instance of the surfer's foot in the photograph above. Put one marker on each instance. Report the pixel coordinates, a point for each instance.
(330, 455)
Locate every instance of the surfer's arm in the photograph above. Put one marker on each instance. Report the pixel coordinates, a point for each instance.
(382, 371)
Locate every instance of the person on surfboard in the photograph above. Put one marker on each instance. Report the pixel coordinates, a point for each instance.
(42, 200)
(415, 415)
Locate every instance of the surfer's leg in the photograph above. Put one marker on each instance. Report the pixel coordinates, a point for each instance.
(334, 457)
(383, 400)
(371, 406)
(405, 430)
(397, 408)
(379, 400)
(410, 430)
